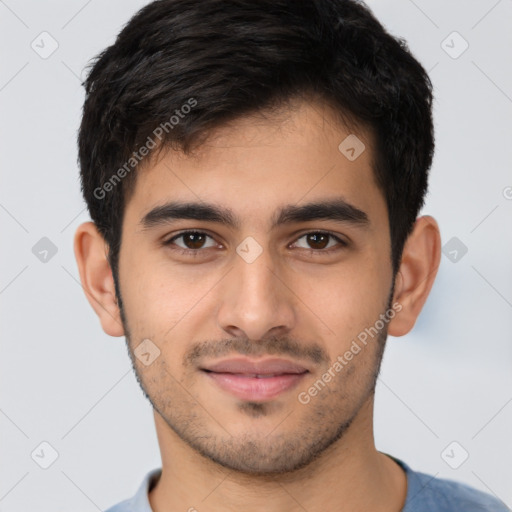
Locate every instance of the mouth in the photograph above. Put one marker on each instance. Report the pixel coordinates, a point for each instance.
(255, 380)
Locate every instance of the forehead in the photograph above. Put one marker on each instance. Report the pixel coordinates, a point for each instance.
(256, 164)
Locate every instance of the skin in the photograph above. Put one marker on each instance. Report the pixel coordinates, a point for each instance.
(220, 452)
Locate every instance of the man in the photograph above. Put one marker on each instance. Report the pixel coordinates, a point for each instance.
(254, 172)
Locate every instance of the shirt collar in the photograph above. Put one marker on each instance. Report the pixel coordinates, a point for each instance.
(140, 501)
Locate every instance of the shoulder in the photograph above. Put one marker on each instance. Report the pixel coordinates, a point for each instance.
(123, 506)
(427, 493)
(140, 501)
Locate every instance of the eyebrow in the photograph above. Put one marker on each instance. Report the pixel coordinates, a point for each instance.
(334, 209)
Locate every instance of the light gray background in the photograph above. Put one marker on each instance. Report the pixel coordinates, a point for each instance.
(65, 382)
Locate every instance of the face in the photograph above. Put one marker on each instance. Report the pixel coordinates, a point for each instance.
(248, 272)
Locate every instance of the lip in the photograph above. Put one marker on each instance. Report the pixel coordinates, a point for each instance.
(262, 367)
(256, 380)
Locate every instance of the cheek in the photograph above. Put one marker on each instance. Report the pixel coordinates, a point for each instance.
(160, 299)
(347, 298)
(146, 294)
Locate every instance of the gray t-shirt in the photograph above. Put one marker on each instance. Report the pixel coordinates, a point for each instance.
(424, 494)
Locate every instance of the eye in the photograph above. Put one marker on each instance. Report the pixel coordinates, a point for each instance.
(321, 241)
(192, 241)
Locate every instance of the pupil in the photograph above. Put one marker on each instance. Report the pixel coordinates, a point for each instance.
(194, 240)
(319, 239)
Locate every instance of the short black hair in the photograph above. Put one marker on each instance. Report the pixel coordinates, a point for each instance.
(180, 68)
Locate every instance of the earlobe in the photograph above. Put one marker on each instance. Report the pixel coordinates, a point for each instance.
(418, 268)
(96, 277)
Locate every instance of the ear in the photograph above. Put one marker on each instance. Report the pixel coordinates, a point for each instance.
(96, 277)
(418, 268)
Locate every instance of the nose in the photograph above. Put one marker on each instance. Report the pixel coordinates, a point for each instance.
(256, 300)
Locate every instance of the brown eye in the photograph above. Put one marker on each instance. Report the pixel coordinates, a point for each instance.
(319, 241)
(194, 240)
(191, 240)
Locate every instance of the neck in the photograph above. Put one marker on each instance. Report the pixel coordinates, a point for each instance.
(350, 472)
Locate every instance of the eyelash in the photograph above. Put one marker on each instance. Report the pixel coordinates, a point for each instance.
(196, 252)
